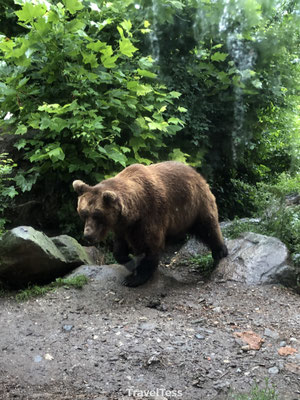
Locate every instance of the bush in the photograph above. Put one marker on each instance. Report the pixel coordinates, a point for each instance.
(7, 188)
(276, 217)
(80, 96)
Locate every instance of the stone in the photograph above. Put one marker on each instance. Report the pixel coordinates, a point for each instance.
(71, 249)
(270, 333)
(199, 336)
(256, 259)
(67, 328)
(95, 255)
(28, 256)
(192, 248)
(273, 370)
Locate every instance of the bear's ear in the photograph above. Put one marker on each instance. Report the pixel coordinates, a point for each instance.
(80, 187)
(109, 197)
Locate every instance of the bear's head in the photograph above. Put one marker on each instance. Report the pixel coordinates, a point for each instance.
(99, 208)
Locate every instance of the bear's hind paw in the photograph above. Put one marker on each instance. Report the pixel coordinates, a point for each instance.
(135, 280)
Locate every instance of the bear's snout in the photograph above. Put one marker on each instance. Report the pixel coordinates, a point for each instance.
(88, 235)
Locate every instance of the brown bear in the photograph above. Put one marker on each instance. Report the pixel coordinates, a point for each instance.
(145, 205)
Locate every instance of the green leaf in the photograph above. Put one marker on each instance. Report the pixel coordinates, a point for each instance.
(22, 82)
(161, 126)
(74, 26)
(257, 84)
(30, 12)
(218, 46)
(145, 62)
(182, 109)
(126, 47)
(50, 108)
(219, 56)
(115, 154)
(126, 25)
(73, 5)
(175, 121)
(56, 154)
(174, 94)
(25, 183)
(98, 46)
(20, 144)
(178, 155)
(90, 58)
(145, 73)
(141, 90)
(108, 61)
(21, 130)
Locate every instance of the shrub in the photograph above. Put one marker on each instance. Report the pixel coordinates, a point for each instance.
(80, 96)
(7, 188)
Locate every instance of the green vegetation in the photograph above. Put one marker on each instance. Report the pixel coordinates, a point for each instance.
(87, 88)
(34, 291)
(203, 264)
(276, 217)
(266, 393)
(7, 188)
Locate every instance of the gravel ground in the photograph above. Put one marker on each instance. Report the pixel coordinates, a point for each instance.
(171, 338)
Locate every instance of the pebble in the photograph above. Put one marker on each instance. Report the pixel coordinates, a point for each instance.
(67, 328)
(272, 334)
(245, 348)
(37, 359)
(273, 370)
(197, 321)
(282, 343)
(217, 309)
(199, 336)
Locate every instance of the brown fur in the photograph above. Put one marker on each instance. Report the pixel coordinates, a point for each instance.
(143, 205)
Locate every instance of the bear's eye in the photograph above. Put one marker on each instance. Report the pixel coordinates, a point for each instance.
(99, 216)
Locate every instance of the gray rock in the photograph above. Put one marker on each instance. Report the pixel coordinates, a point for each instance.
(257, 259)
(270, 333)
(95, 255)
(29, 256)
(192, 248)
(71, 249)
(113, 273)
(273, 370)
(227, 224)
(38, 359)
(67, 328)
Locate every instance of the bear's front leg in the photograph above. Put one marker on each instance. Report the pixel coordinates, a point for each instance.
(134, 262)
(145, 239)
(143, 272)
(121, 251)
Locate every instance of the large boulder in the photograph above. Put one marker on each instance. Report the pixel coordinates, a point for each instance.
(256, 259)
(29, 256)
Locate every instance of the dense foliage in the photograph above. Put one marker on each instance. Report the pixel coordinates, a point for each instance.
(7, 189)
(236, 64)
(77, 100)
(277, 215)
(87, 88)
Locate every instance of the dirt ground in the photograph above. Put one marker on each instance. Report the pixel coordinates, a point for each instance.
(175, 338)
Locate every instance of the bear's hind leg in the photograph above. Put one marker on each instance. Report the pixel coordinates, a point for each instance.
(210, 233)
(143, 272)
